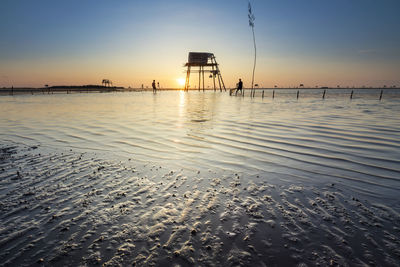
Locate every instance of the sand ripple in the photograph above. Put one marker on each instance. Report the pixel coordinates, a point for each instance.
(64, 208)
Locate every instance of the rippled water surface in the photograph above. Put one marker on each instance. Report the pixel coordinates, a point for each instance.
(351, 142)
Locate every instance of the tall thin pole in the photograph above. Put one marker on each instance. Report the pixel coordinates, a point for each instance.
(255, 58)
(252, 18)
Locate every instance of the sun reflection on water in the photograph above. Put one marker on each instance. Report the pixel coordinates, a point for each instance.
(182, 108)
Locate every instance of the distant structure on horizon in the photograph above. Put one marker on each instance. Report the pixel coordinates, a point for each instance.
(206, 62)
(106, 82)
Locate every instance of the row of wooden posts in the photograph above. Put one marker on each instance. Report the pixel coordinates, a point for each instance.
(253, 92)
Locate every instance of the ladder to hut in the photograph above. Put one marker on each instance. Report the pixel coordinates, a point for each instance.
(203, 62)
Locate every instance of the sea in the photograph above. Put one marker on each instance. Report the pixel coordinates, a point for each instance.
(351, 141)
(294, 142)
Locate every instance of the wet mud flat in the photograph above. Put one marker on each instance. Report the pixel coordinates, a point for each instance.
(65, 208)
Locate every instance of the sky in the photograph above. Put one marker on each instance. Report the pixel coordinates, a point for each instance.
(313, 42)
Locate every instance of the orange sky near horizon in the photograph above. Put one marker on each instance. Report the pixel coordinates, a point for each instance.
(269, 73)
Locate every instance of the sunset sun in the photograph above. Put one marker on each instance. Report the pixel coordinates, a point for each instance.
(181, 82)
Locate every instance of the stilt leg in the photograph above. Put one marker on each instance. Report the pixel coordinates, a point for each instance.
(199, 77)
(203, 78)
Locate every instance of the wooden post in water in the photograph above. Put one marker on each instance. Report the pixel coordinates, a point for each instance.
(273, 94)
(380, 97)
(263, 94)
(297, 94)
(351, 95)
(323, 95)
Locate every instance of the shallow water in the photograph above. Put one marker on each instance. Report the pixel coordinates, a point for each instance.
(355, 142)
(199, 179)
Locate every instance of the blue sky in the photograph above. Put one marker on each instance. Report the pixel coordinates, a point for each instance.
(315, 42)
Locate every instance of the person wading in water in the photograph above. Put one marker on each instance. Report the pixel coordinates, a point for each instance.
(154, 86)
(239, 86)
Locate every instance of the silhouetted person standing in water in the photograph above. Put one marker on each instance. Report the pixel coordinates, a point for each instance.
(154, 86)
(239, 86)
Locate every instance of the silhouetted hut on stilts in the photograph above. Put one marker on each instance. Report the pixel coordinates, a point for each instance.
(205, 62)
(106, 82)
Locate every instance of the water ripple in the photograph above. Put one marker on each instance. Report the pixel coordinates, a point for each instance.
(354, 142)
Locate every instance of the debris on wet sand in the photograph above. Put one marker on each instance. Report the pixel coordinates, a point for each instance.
(69, 209)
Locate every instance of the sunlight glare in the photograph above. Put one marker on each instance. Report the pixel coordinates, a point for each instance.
(181, 82)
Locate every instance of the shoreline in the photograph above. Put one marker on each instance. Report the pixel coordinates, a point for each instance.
(74, 90)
